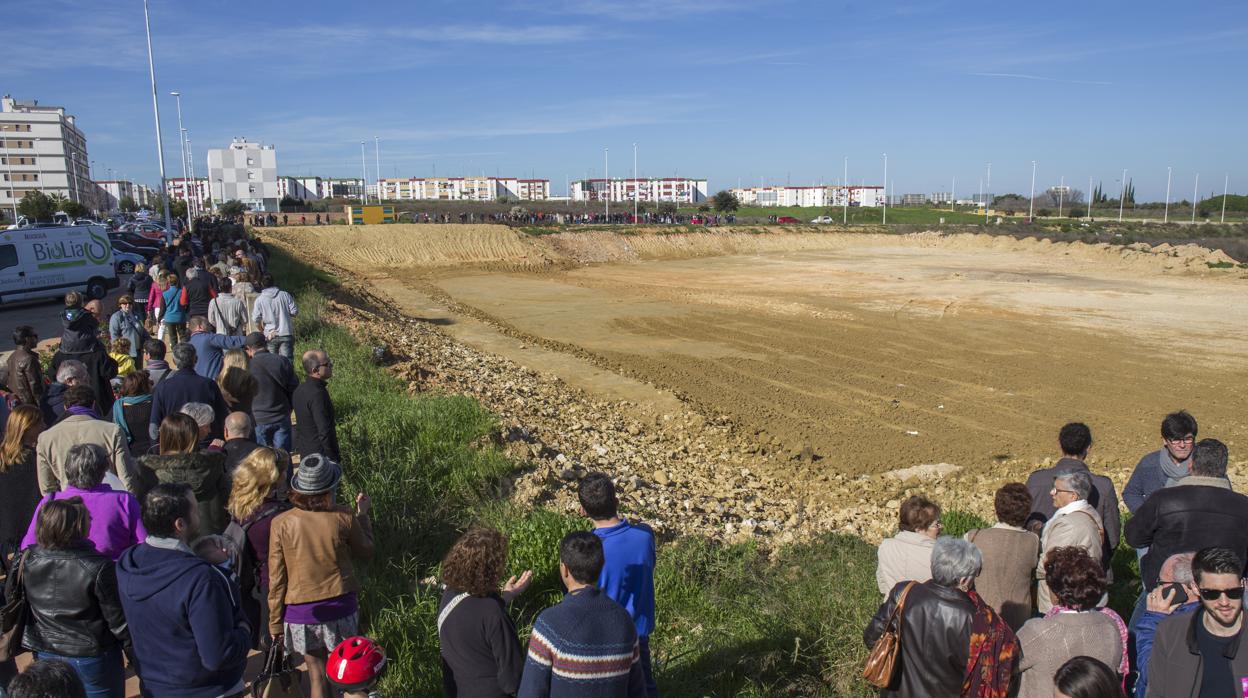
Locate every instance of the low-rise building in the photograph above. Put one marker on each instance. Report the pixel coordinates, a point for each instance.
(813, 196)
(187, 189)
(304, 188)
(463, 189)
(654, 189)
(342, 188)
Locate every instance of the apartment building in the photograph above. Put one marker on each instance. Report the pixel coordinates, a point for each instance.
(305, 188)
(342, 188)
(814, 196)
(42, 149)
(188, 189)
(246, 172)
(464, 189)
(678, 189)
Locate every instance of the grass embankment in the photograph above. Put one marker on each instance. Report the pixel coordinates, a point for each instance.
(732, 621)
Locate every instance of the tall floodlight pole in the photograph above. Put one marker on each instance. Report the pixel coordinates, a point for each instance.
(192, 197)
(981, 192)
(377, 154)
(73, 167)
(953, 197)
(606, 180)
(160, 147)
(13, 193)
(1226, 182)
(1195, 193)
(1061, 192)
(1167, 215)
(1031, 200)
(177, 96)
(636, 185)
(364, 181)
(884, 214)
(1089, 197)
(988, 184)
(845, 201)
(1122, 194)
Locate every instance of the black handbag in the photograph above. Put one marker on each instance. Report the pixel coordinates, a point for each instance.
(278, 679)
(13, 617)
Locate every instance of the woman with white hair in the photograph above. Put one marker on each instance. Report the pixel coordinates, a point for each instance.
(1075, 523)
(952, 643)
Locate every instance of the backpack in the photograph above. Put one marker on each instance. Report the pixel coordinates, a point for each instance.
(253, 601)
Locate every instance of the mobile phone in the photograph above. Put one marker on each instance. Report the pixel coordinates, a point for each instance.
(1180, 594)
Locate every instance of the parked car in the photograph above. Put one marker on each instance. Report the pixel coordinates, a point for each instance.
(125, 261)
(822, 219)
(145, 246)
(787, 220)
(122, 246)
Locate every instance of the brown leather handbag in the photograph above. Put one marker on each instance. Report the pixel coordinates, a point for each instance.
(882, 661)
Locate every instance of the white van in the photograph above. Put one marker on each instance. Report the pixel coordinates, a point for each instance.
(46, 262)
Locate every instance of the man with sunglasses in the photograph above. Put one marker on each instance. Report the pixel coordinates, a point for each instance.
(315, 430)
(1176, 594)
(1198, 655)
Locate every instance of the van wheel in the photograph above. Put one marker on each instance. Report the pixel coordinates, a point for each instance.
(96, 288)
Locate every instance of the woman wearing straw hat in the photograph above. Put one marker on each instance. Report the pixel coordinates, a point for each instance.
(312, 584)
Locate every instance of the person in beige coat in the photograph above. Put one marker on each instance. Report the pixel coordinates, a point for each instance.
(82, 426)
(907, 556)
(1010, 554)
(1075, 523)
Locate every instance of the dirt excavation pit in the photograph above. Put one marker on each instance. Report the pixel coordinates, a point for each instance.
(843, 370)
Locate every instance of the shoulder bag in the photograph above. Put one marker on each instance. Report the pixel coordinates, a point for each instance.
(278, 679)
(882, 661)
(13, 617)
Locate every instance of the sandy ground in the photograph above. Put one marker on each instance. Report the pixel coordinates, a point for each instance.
(878, 352)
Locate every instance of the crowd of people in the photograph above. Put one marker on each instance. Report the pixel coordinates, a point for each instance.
(1021, 608)
(169, 505)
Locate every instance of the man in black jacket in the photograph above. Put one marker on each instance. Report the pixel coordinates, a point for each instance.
(275, 386)
(1200, 511)
(238, 443)
(315, 431)
(197, 292)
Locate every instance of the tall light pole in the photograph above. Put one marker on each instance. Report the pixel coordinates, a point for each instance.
(182, 144)
(988, 185)
(160, 147)
(1122, 193)
(192, 195)
(364, 180)
(1089, 197)
(636, 185)
(75, 196)
(845, 202)
(377, 154)
(884, 214)
(1031, 200)
(606, 178)
(953, 206)
(1167, 215)
(1226, 182)
(8, 166)
(39, 166)
(1195, 193)
(1061, 192)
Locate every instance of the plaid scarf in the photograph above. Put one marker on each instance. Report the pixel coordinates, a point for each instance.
(993, 653)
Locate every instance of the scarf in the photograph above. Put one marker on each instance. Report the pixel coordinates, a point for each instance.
(1123, 666)
(993, 654)
(1075, 506)
(1174, 471)
(119, 413)
(80, 410)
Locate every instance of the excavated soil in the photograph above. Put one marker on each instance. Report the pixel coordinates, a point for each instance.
(805, 381)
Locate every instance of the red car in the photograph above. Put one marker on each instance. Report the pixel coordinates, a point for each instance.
(787, 220)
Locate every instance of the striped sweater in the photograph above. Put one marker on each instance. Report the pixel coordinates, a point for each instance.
(585, 646)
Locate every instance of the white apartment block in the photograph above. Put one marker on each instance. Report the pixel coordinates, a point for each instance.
(245, 172)
(114, 191)
(677, 189)
(339, 188)
(816, 196)
(41, 149)
(305, 188)
(188, 189)
(464, 189)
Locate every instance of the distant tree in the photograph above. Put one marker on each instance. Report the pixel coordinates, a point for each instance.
(74, 209)
(232, 208)
(667, 208)
(1010, 203)
(37, 206)
(127, 204)
(725, 202)
(704, 209)
(177, 208)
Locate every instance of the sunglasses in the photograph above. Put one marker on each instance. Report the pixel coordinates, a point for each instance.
(1214, 594)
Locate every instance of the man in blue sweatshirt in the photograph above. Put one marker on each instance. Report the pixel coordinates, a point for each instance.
(585, 645)
(185, 615)
(628, 574)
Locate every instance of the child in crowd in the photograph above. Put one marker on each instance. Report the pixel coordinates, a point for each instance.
(121, 354)
(628, 575)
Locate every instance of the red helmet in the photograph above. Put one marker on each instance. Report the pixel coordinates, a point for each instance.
(356, 664)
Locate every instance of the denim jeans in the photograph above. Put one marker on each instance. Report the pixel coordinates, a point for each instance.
(103, 675)
(275, 435)
(283, 345)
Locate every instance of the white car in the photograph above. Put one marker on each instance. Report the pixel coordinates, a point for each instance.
(823, 219)
(46, 261)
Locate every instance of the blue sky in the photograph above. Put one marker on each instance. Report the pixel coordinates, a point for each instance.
(724, 89)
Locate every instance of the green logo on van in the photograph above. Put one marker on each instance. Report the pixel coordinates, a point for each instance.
(98, 251)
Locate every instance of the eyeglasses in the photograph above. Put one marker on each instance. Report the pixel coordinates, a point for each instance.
(1055, 491)
(1183, 440)
(938, 525)
(1234, 594)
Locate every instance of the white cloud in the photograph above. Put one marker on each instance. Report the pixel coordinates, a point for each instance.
(1019, 76)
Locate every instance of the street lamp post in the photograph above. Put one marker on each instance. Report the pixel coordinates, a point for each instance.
(1061, 192)
(160, 148)
(377, 155)
(364, 180)
(13, 193)
(845, 202)
(988, 185)
(884, 214)
(39, 166)
(177, 96)
(1031, 200)
(192, 194)
(1226, 180)
(1195, 193)
(606, 178)
(1166, 219)
(1089, 197)
(636, 185)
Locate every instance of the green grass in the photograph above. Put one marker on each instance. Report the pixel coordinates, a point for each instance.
(857, 215)
(733, 620)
